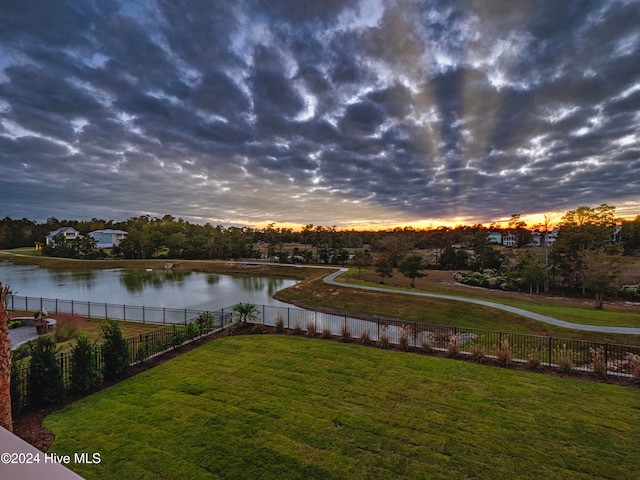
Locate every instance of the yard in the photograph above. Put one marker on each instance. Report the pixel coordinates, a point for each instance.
(266, 406)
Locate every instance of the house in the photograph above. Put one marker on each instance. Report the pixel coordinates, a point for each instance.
(107, 238)
(495, 237)
(510, 240)
(69, 233)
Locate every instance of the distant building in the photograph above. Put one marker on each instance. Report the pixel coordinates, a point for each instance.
(69, 233)
(107, 238)
(509, 240)
(495, 237)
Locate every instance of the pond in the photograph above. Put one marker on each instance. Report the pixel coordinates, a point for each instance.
(153, 288)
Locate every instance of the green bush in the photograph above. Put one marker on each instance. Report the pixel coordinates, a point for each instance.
(631, 292)
(45, 383)
(85, 373)
(115, 351)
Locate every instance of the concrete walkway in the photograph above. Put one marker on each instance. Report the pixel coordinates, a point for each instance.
(331, 280)
(20, 335)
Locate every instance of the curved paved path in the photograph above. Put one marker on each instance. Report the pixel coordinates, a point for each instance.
(331, 280)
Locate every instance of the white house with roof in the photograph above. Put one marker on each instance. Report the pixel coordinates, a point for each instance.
(69, 233)
(107, 238)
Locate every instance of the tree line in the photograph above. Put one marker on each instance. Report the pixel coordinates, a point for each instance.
(586, 256)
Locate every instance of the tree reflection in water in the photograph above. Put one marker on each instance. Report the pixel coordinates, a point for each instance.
(137, 280)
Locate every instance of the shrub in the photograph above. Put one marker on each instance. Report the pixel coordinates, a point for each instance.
(247, 312)
(634, 365)
(533, 359)
(346, 334)
(365, 338)
(326, 333)
(427, 346)
(503, 353)
(144, 350)
(297, 330)
(115, 351)
(311, 329)
(204, 321)
(477, 353)
(453, 347)
(564, 358)
(631, 292)
(45, 383)
(85, 373)
(598, 361)
(67, 326)
(404, 342)
(383, 342)
(279, 323)
(14, 324)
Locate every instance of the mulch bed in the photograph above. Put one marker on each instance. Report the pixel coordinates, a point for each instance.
(28, 425)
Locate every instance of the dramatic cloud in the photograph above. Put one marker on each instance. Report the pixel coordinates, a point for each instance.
(340, 112)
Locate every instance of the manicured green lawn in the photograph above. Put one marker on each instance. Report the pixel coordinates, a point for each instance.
(290, 407)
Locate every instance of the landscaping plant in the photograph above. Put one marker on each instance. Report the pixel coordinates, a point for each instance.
(45, 383)
(115, 350)
(85, 373)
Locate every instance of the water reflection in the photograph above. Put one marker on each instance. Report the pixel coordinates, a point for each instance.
(86, 277)
(136, 281)
(157, 288)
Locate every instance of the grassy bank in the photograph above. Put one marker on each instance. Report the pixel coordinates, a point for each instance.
(205, 266)
(318, 295)
(313, 293)
(288, 407)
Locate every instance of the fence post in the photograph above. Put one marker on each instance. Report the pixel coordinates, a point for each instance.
(71, 307)
(56, 305)
(106, 312)
(124, 312)
(606, 356)
(550, 347)
(88, 309)
(143, 314)
(185, 316)
(40, 303)
(164, 315)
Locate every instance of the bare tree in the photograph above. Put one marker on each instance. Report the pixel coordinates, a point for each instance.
(5, 362)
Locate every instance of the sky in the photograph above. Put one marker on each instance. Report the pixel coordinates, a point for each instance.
(347, 113)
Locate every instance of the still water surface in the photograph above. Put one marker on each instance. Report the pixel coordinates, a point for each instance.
(157, 288)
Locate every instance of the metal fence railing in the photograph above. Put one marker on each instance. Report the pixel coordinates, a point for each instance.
(129, 313)
(598, 357)
(182, 326)
(142, 347)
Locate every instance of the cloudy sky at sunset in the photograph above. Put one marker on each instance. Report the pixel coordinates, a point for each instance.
(331, 112)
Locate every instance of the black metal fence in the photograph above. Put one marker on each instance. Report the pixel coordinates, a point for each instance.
(129, 313)
(567, 354)
(563, 353)
(142, 347)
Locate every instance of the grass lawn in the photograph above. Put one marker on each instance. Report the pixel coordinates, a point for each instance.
(317, 294)
(292, 407)
(576, 310)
